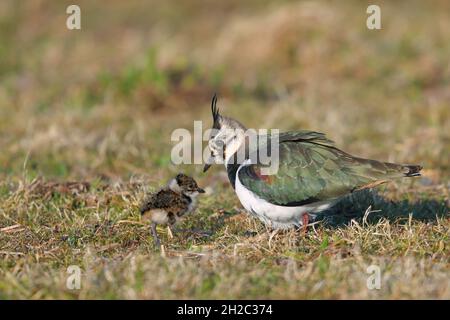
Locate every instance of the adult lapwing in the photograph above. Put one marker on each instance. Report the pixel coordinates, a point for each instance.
(313, 174)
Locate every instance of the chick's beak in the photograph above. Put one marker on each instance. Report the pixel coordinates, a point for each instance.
(206, 167)
(200, 190)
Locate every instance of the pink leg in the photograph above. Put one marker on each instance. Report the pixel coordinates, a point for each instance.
(305, 221)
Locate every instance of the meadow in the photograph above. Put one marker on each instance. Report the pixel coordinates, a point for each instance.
(86, 118)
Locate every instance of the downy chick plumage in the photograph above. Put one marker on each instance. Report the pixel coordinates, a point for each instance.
(171, 203)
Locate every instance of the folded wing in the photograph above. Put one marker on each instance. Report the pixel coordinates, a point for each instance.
(312, 169)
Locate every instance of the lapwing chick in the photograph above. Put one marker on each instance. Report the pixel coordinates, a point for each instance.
(311, 176)
(170, 204)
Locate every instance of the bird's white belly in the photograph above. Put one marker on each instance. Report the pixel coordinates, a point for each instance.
(279, 217)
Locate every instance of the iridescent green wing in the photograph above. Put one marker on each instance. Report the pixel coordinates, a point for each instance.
(311, 169)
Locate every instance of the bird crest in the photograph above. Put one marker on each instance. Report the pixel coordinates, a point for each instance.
(215, 113)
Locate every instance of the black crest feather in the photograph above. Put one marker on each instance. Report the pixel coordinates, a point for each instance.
(215, 112)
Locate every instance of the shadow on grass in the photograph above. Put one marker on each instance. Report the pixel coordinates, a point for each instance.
(355, 206)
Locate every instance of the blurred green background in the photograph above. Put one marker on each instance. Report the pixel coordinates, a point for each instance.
(103, 100)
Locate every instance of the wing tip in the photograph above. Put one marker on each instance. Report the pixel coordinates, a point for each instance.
(413, 170)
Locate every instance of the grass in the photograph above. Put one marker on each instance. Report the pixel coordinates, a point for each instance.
(85, 124)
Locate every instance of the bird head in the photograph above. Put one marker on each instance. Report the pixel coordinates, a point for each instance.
(226, 138)
(185, 185)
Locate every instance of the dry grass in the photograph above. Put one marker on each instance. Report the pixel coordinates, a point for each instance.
(85, 124)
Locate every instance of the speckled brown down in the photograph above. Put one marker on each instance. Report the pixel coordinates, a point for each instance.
(171, 203)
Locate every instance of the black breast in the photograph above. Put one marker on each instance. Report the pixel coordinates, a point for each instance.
(231, 170)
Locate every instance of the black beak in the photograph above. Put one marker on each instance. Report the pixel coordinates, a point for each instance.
(208, 163)
(200, 190)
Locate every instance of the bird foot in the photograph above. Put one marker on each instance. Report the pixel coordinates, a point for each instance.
(157, 242)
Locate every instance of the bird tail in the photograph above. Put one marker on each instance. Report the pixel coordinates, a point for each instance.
(395, 170)
(382, 171)
(412, 170)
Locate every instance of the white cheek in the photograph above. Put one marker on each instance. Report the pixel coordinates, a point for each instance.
(173, 185)
(217, 156)
(232, 148)
(192, 194)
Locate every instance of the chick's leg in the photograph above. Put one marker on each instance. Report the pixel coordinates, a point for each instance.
(155, 235)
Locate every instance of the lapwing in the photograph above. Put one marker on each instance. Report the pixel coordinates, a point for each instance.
(313, 174)
(170, 204)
